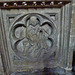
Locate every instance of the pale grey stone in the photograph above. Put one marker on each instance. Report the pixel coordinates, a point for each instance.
(26, 45)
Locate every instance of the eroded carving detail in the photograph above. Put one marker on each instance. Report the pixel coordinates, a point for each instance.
(34, 37)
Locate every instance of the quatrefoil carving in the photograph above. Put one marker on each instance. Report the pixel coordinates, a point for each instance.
(33, 36)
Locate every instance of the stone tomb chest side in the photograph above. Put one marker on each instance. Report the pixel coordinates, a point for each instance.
(34, 35)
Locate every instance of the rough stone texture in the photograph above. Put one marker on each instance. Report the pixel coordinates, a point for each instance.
(72, 29)
(1, 68)
(72, 32)
(52, 63)
(45, 71)
(73, 20)
(32, 59)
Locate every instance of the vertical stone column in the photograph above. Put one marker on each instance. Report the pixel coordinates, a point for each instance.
(66, 22)
(72, 36)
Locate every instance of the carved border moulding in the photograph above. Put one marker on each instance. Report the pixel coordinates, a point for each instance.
(34, 4)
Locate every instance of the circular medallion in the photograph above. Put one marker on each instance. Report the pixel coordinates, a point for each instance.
(33, 36)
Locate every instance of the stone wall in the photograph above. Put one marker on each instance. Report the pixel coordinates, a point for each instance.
(72, 32)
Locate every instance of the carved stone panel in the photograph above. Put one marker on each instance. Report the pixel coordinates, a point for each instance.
(33, 37)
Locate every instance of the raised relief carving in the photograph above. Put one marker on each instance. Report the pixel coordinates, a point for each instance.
(33, 37)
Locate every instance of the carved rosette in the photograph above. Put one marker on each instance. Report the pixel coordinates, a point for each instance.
(33, 36)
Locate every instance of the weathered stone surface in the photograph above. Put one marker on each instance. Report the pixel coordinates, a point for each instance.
(19, 37)
(72, 35)
(45, 71)
(1, 67)
(73, 19)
